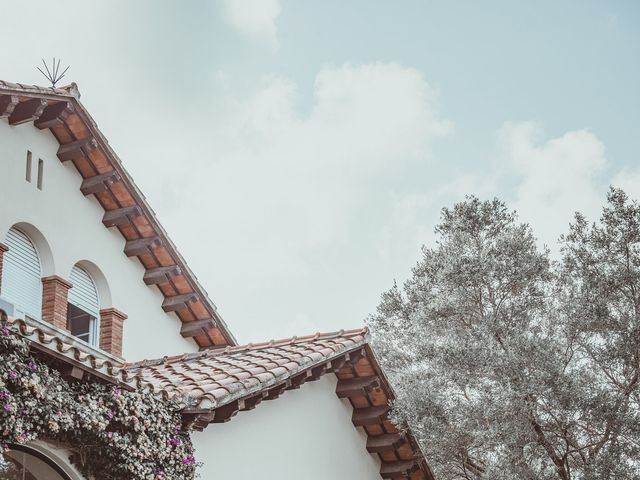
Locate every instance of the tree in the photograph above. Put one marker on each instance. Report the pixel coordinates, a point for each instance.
(509, 365)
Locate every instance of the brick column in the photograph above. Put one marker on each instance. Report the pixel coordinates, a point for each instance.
(3, 248)
(111, 323)
(54, 300)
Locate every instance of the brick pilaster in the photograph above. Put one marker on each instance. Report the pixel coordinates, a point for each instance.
(3, 248)
(111, 326)
(54, 300)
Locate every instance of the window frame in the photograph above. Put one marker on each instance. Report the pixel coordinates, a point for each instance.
(41, 456)
(94, 322)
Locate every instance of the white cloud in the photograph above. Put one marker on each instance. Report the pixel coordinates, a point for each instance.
(629, 181)
(554, 178)
(255, 19)
(278, 185)
(311, 172)
(545, 180)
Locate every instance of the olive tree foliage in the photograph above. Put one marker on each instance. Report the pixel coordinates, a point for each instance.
(509, 365)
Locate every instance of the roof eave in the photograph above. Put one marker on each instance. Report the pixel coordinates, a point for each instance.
(70, 94)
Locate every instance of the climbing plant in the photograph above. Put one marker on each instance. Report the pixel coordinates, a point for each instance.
(112, 433)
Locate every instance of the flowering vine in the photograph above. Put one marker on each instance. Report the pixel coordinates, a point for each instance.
(112, 433)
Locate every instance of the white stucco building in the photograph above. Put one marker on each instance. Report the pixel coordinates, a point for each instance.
(84, 260)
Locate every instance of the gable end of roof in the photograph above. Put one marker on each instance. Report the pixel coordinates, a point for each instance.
(83, 144)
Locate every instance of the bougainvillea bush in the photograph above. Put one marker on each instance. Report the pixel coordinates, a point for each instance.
(112, 433)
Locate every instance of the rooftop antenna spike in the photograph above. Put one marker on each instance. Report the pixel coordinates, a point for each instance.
(53, 74)
(47, 75)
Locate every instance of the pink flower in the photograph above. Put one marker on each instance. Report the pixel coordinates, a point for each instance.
(5, 332)
(189, 460)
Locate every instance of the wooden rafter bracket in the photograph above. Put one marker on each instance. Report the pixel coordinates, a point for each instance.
(72, 372)
(386, 442)
(356, 386)
(224, 413)
(355, 355)
(196, 327)
(338, 363)
(27, 111)
(278, 390)
(178, 302)
(99, 183)
(121, 216)
(196, 421)
(298, 380)
(154, 276)
(369, 415)
(399, 469)
(141, 246)
(77, 149)
(252, 402)
(8, 104)
(54, 115)
(317, 372)
(348, 358)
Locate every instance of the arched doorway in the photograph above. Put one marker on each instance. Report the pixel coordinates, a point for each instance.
(25, 463)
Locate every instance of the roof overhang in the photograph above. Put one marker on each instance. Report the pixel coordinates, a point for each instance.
(74, 358)
(220, 383)
(81, 143)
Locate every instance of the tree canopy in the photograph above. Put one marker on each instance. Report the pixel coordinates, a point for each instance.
(509, 364)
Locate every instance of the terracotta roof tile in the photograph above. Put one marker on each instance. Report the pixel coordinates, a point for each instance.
(215, 384)
(215, 377)
(52, 341)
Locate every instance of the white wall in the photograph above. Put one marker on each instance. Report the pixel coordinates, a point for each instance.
(306, 433)
(72, 226)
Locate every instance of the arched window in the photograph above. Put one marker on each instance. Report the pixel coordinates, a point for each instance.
(24, 463)
(21, 275)
(83, 309)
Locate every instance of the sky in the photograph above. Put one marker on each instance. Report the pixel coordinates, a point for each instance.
(299, 152)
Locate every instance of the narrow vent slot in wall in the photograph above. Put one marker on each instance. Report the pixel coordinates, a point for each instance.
(28, 172)
(40, 173)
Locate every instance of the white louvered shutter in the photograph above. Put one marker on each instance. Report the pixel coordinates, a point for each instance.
(21, 274)
(84, 294)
